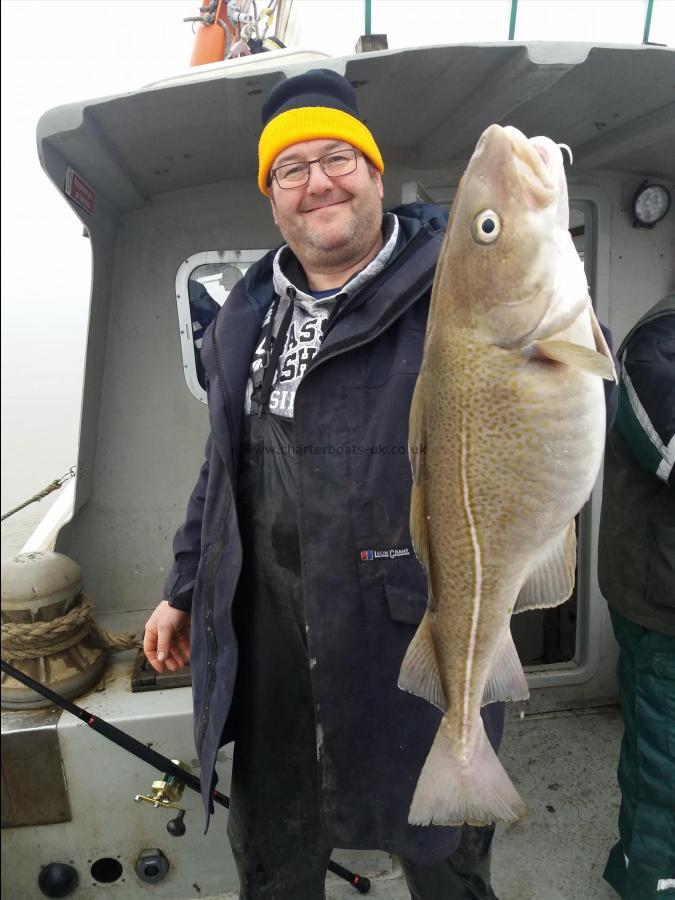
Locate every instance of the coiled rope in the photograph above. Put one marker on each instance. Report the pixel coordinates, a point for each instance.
(30, 640)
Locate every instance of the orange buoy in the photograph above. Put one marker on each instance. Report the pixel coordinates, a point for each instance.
(213, 41)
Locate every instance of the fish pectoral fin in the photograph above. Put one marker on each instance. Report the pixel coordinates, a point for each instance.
(601, 344)
(551, 581)
(420, 674)
(576, 356)
(506, 680)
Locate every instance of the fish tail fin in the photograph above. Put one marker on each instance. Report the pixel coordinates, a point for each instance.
(451, 792)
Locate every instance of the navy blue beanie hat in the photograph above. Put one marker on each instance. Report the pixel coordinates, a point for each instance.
(318, 104)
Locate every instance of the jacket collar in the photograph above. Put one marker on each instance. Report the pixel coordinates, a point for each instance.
(259, 279)
(288, 273)
(228, 349)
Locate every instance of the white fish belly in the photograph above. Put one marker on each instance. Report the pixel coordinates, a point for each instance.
(508, 467)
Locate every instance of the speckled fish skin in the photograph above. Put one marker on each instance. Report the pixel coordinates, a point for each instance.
(506, 442)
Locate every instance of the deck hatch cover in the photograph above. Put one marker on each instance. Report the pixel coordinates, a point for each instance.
(34, 790)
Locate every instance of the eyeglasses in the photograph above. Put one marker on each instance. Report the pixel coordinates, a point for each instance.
(295, 174)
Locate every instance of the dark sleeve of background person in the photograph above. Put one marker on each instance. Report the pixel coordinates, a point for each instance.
(646, 413)
(611, 389)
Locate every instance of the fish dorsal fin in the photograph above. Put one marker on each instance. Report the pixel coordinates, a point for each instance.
(577, 357)
(507, 679)
(551, 581)
(420, 674)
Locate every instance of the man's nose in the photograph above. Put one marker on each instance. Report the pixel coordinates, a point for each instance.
(318, 182)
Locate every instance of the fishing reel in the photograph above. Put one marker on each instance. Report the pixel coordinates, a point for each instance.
(166, 793)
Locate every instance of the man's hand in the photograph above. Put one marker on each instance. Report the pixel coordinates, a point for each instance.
(166, 642)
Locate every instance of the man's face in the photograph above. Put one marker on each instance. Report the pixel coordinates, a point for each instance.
(328, 220)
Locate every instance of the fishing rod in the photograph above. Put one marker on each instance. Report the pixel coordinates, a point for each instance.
(176, 776)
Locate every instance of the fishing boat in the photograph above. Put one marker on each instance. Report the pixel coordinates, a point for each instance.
(163, 180)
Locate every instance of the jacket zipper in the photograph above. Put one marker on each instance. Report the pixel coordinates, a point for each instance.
(214, 562)
(212, 648)
(226, 402)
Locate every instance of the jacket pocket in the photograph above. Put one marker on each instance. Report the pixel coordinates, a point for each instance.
(406, 604)
(661, 564)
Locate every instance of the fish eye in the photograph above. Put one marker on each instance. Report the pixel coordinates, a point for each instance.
(486, 227)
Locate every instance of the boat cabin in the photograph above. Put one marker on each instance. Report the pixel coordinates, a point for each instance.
(164, 182)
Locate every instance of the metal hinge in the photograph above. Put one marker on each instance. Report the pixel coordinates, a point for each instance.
(144, 677)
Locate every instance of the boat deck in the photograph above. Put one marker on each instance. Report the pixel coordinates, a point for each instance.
(564, 764)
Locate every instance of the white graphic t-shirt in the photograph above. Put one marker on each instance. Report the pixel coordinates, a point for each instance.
(308, 324)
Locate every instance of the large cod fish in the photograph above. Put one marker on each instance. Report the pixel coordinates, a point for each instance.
(507, 429)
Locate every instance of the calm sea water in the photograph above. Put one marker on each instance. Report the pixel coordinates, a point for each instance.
(44, 326)
(17, 530)
(40, 422)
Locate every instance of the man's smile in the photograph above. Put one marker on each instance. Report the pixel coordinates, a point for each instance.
(325, 206)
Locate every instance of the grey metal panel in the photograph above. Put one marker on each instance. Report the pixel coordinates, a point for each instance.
(645, 145)
(103, 780)
(598, 103)
(144, 430)
(424, 90)
(101, 226)
(426, 106)
(655, 161)
(63, 132)
(34, 790)
(448, 96)
(165, 139)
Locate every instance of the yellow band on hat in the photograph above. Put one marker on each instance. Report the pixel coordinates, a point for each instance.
(311, 123)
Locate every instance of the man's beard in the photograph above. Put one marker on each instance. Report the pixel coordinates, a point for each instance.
(354, 238)
(337, 245)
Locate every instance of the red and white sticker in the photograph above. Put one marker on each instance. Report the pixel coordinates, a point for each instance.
(79, 191)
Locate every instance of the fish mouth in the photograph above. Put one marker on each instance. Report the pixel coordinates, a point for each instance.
(538, 190)
(533, 167)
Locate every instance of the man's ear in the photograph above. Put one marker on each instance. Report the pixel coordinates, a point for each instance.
(274, 209)
(377, 178)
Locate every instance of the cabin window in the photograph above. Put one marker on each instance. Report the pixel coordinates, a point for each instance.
(204, 281)
(578, 230)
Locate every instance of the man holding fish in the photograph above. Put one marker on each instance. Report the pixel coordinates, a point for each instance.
(295, 566)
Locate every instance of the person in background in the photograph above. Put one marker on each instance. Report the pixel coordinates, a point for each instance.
(636, 572)
(203, 310)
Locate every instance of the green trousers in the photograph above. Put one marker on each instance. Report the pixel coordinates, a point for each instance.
(641, 865)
